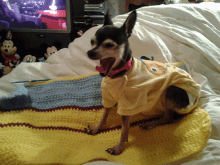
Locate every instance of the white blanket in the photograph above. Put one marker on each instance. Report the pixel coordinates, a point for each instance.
(181, 32)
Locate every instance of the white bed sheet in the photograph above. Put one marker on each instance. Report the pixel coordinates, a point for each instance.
(180, 32)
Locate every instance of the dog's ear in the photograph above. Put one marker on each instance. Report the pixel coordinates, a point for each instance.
(107, 20)
(129, 23)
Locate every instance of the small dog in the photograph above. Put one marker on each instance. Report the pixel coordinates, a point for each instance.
(134, 85)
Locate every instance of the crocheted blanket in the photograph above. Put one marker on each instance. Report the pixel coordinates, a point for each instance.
(43, 123)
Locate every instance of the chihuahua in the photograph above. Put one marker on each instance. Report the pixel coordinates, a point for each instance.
(111, 47)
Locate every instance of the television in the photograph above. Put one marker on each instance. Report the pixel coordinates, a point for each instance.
(43, 16)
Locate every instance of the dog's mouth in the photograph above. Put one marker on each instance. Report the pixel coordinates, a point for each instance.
(106, 65)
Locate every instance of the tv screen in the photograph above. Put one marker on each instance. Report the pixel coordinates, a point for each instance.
(35, 15)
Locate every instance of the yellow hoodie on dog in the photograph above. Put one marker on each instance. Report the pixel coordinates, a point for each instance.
(140, 89)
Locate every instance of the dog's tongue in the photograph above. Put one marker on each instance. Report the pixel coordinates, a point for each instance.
(106, 65)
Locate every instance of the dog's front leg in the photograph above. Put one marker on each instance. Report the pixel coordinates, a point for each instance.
(92, 130)
(116, 150)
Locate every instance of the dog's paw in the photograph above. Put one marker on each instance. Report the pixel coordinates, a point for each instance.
(92, 130)
(115, 150)
(148, 125)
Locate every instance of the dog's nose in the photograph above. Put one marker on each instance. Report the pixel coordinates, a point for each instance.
(6, 50)
(91, 54)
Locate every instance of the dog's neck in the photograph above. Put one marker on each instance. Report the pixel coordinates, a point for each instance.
(126, 67)
(123, 65)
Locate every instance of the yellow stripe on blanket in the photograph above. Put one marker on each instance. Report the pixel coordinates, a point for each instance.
(57, 137)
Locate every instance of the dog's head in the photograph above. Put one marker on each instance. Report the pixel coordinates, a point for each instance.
(110, 42)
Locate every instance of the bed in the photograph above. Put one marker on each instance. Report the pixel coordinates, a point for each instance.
(188, 33)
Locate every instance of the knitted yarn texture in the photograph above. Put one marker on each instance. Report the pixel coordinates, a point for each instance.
(43, 123)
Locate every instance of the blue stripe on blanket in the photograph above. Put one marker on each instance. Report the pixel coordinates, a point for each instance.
(82, 93)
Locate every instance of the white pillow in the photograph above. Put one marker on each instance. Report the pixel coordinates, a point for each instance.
(175, 1)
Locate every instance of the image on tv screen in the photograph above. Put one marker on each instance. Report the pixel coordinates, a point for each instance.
(34, 14)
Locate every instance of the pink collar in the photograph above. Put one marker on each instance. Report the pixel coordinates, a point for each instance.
(127, 66)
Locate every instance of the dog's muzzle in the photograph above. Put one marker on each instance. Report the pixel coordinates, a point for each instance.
(92, 54)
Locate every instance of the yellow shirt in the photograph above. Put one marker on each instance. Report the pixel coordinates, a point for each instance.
(139, 90)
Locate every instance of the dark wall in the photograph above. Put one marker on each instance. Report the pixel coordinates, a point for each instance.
(77, 7)
(26, 41)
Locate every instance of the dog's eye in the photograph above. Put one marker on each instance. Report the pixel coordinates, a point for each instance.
(108, 45)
